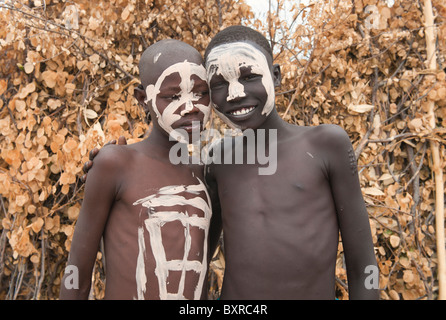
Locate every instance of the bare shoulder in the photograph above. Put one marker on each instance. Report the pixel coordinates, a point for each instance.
(111, 157)
(336, 147)
(328, 136)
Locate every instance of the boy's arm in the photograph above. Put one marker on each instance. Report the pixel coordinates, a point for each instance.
(99, 195)
(362, 269)
(216, 222)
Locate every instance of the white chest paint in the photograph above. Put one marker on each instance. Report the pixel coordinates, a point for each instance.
(155, 221)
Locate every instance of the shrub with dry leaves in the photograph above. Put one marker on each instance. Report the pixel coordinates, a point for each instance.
(67, 74)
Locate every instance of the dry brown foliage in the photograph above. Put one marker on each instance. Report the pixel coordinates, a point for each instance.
(67, 74)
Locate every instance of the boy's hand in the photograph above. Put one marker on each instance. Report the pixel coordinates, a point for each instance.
(93, 153)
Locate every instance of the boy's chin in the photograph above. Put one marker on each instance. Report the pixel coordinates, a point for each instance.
(192, 139)
(183, 136)
(252, 123)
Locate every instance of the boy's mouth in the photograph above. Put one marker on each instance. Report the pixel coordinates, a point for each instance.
(242, 111)
(189, 127)
(190, 123)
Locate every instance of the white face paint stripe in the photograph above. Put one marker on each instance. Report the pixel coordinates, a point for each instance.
(227, 59)
(235, 90)
(168, 196)
(155, 59)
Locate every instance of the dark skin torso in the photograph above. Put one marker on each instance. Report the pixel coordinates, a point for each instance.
(125, 216)
(121, 176)
(281, 231)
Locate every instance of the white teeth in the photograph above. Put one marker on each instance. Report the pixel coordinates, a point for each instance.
(242, 111)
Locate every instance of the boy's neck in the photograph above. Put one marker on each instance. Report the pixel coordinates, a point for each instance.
(159, 144)
(274, 121)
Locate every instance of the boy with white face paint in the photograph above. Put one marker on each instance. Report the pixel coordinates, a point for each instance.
(154, 217)
(190, 74)
(281, 231)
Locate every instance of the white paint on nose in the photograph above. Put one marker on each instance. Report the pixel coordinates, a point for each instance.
(235, 90)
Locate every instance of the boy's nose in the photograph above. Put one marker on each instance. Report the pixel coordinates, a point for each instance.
(235, 91)
(188, 107)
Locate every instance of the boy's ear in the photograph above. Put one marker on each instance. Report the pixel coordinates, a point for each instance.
(277, 75)
(140, 95)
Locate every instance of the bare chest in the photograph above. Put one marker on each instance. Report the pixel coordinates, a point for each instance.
(165, 215)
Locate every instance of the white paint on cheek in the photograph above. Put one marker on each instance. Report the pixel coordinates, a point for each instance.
(150, 93)
(171, 196)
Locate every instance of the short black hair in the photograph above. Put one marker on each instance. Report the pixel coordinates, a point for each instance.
(175, 50)
(239, 33)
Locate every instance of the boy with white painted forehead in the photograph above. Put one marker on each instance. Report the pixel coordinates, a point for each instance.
(154, 216)
(281, 230)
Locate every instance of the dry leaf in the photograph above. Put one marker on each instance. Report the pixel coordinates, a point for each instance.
(37, 225)
(3, 86)
(90, 114)
(360, 108)
(28, 67)
(373, 191)
(49, 77)
(395, 241)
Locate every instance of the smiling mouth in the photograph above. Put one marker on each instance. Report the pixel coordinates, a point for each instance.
(242, 111)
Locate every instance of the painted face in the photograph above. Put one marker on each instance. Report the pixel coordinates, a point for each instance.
(179, 98)
(241, 83)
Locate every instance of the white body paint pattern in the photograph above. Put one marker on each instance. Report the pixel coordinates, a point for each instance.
(187, 97)
(155, 59)
(227, 59)
(171, 196)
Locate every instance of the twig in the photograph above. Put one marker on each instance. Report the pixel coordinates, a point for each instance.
(220, 19)
(42, 266)
(46, 21)
(365, 139)
(83, 104)
(395, 137)
(310, 59)
(415, 170)
(2, 242)
(436, 168)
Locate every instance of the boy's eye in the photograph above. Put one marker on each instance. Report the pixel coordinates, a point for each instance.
(175, 97)
(218, 84)
(201, 94)
(170, 97)
(250, 77)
